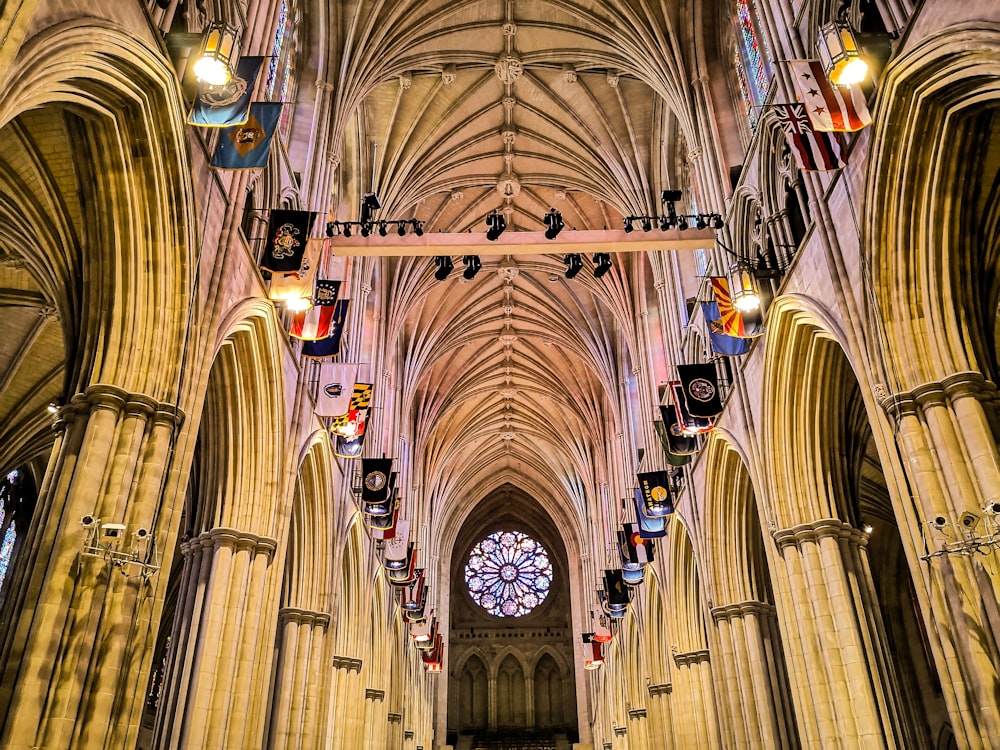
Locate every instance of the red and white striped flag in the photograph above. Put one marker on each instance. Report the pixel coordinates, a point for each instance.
(830, 108)
(814, 151)
(317, 322)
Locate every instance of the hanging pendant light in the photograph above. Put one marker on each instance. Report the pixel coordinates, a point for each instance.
(840, 54)
(746, 296)
(217, 55)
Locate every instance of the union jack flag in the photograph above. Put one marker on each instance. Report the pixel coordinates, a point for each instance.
(814, 151)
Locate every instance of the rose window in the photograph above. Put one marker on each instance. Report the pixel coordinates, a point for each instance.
(508, 574)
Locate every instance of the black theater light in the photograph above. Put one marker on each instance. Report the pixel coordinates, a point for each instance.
(444, 267)
(472, 266)
(554, 221)
(602, 264)
(496, 223)
(574, 263)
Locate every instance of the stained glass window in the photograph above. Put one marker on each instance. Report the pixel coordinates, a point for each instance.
(508, 574)
(10, 533)
(281, 67)
(752, 61)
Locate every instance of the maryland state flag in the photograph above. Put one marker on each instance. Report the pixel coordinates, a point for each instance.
(654, 487)
(614, 586)
(722, 343)
(318, 321)
(744, 325)
(375, 479)
(247, 146)
(650, 527)
(680, 443)
(350, 446)
(361, 396)
(229, 104)
(336, 384)
(689, 423)
(287, 237)
(701, 389)
(330, 346)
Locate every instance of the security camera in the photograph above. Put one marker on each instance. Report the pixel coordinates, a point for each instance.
(88, 521)
(969, 520)
(141, 533)
(938, 522)
(113, 530)
(992, 508)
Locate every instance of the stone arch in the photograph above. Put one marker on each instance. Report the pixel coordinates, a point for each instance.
(124, 327)
(931, 222)
(352, 591)
(656, 636)
(474, 681)
(512, 704)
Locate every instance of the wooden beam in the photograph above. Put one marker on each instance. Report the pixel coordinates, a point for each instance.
(521, 243)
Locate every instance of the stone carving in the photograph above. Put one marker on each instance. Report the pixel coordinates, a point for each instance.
(569, 74)
(509, 186)
(405, 81)
(613, 79)
(508, 69)
(449, 75)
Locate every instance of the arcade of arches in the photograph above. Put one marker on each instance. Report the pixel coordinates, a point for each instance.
(184, 557)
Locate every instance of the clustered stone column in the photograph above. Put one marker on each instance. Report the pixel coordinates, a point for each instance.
(300, 679)
(345, 731)
(695, 701)
(84, 622)
(221, 644)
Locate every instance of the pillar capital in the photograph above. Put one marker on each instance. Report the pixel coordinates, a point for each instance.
(816, 530)
(691, 657)
(664, 688)
(235, 539)
(347, 662)
(303, 617)
(741, 609)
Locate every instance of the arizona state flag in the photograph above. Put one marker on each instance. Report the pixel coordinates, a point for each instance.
(287, 234)
(330, 346)
(744, 325)
(229, 104)
(247, 146)
(318, 321)
(680, 443)
(618, 596)
(375, 479)
(722, 343)
(689, 423)
(655, 489)
(336, 383)
(650, 527)
(701, 389)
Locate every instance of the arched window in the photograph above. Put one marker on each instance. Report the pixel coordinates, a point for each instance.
(752, 61)
(10, 500)
(281, 67)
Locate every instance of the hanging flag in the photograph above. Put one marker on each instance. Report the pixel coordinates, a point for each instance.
(229, 104)
(425, 637)
(681, 443)
(623, 554)
(594, 658)
(618, 596)
(336, 384)
(635, 576)
(350, 447)
(689, 423)
(701, 389)
(403, 576)
(247, 146)
(298, 286)
(674, 459)
(317, 322)
(830, 108)
(722, 343)
(395, 549)
(330, 346)
(384, 526)
(654, 487)
(640, 549)
(814, 151)
(743, 325)
(602, 631)
(375, 479)
(650, 526)
(361, 397)
(287, 236)
(410, 599)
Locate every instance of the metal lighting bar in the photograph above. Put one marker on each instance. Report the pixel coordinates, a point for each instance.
(523, 243)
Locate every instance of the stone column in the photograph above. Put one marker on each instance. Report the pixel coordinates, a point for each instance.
(343, 730)
(218, 671)
(659, 715)
(638, 730)
(749, 677)
(85, 611)
(838, 680)
(375, 720)
(695, 722)
(298, 680)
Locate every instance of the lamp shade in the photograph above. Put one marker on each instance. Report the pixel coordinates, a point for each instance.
(840, 55)
(746, 297)
(214, 65)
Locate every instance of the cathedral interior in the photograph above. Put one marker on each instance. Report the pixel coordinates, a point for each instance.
(499, 374)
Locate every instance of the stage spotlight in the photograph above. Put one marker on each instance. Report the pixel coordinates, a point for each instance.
(331, 228)
(401, 228)
(383, 230)
(682, 222)
(717, 222)
(665, 223)
(647, 225)
(628, 225)
(347, 230)
(573, 263)
(444, 267)
(472, 266)
(496, 223)
(554, 221)
(366, 229)
(418, 228)
(700, 222)
(602, 264)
